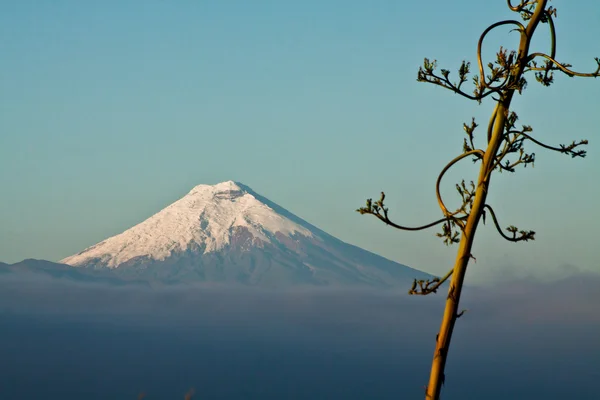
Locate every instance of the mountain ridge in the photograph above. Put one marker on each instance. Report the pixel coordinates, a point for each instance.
(218, 208)
(227, 232)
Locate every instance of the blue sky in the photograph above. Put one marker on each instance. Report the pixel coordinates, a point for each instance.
(111, 111)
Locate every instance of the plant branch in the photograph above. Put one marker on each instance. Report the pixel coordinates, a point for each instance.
(427, 74)
(478, 152)
(520, 7)
(483, 82)
(428, 286)
(552, 33)
(565, 149)
(553, 64)
(525, 235)
(379, 210)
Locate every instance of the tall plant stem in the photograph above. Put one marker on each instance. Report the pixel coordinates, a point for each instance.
(444, 337)
(498, 121)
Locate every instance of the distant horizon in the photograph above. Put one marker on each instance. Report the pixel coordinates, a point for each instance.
(238, 183)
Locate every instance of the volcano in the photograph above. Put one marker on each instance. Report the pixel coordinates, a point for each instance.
(229, 233)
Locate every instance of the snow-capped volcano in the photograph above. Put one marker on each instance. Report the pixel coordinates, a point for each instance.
(227, 232)
(206, 219)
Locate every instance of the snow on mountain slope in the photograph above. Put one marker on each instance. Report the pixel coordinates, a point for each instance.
(204, 219)
(227, 233)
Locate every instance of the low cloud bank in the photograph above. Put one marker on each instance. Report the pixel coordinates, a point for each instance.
(523, 339)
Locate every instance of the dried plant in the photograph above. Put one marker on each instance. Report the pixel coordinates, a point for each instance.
(505, 150)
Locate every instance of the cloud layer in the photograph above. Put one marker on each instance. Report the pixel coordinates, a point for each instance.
(520, 339)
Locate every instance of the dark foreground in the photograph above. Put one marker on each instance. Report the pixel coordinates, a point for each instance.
(68, 342)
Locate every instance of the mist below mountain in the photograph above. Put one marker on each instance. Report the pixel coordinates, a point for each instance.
(66, 340)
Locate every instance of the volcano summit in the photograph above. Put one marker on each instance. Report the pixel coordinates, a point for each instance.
(229, 233)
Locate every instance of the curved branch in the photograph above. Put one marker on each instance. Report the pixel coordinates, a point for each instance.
(426, 287)
(385, 219)
(479, 152)
(564, 68)
(498, 225)
(520, 7)
(525, 236)
(565, 149)
(479, 44)
(377, 209)
(552, 35)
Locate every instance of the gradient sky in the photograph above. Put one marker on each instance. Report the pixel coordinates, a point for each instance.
(111, 111)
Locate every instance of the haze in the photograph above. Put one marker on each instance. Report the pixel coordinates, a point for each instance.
(67, 341)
